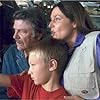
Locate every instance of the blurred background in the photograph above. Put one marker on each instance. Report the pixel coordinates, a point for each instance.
(93, 7)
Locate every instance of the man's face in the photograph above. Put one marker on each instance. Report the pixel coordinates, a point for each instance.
(23, 34)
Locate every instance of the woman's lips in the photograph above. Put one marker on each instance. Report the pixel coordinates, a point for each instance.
(52, 33)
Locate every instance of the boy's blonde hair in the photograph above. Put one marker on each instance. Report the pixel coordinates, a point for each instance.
(50, 48)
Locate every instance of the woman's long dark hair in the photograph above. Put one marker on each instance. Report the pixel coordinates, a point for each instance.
(77, 13)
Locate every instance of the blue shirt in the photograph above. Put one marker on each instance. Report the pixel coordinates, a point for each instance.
(14, 62)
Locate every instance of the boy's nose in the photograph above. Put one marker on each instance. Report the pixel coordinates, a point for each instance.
(29, 71)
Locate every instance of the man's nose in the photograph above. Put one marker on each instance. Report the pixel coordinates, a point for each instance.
(16, 36)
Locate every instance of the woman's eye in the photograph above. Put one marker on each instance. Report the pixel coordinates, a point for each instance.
(57, 19)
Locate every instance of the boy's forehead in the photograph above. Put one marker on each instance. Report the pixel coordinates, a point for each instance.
(36, 54)
(35, 57)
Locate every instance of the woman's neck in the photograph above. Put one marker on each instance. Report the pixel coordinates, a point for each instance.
(71, 40)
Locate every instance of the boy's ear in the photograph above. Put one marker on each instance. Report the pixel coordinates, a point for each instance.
(52, 65)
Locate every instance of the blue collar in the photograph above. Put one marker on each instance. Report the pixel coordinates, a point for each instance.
(80, 38)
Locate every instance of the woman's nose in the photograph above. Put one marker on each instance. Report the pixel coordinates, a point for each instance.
(51, 24)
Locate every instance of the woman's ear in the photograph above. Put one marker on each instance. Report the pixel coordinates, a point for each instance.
(74, 24)
(52, 65)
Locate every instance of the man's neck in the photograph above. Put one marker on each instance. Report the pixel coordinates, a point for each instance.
(26, 54)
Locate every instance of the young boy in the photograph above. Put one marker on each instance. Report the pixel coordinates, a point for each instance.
(47, 60)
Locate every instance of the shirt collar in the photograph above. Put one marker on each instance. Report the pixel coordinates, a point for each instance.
(80, 38)
(19, 53)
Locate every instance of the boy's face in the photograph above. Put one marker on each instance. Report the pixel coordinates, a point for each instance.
(39, 69)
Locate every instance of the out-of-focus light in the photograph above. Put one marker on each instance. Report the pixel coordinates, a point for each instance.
(44, 4)
(51, 6)
(0, 4)
(37, 1)
(56, 1)
(48, 6)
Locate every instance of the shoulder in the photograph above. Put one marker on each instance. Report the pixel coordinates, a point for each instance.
(93, 34)
(64, 92)
(98, 38)
(60, 93)
(12, 50)
(12, 47)
(20, 76)
(91, 38)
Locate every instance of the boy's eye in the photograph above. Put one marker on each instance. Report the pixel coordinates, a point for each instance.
(32, 64)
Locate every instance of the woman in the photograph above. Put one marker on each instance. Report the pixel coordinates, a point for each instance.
(71, 23)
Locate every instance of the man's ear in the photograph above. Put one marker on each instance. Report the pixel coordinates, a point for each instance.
(52, 65)
(39, 36)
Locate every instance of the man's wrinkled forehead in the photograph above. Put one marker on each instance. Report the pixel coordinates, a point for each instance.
(21, 24)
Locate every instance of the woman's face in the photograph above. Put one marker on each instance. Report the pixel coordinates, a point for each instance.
(61, 26)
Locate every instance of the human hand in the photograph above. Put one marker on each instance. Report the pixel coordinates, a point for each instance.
(73, 98)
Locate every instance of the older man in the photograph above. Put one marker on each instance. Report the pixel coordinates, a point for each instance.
(29, 26)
